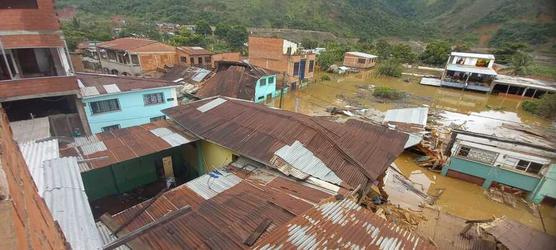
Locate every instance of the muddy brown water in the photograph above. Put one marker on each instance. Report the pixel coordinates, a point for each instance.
(461, 198)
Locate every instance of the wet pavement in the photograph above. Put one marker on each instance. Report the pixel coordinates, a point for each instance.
(460, 198)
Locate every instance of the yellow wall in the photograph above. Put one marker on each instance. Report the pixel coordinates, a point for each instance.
(215, 156)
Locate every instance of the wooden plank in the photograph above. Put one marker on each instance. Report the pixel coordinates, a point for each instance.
(113, 225)
(146, 228)
(261, 228)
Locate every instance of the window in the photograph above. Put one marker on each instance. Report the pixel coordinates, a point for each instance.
(260, 98)
(135, 59)
(296, 69)
(262, 82)
(192, 60)
(270, 80)
(18, 4)
(156, 98)
(311, 66)
(199, 60)
(207, 59)
(183, 59)
(111, 55)
(158, 118)
(110, 128)
(361, 60)
(529, 166)
(105, 106)
(476, 154)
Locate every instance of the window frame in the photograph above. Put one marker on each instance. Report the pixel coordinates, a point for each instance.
(92, 104)
(311, 66)
(157, 118)
(361, 60)
(146, 96)
(263, 82)
(526, 168)
(110, 128)
(296, 69)
(469, 149)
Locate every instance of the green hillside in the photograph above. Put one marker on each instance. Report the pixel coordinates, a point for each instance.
(494, 21)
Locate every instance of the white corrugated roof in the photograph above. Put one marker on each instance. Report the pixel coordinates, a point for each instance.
(89, 91)
(473, 55)
(212, 104)
(67, 201)
(361, 54)
(213, 183)
(111, 88)
(35, 154)
(30, 130)
(409, 115)
(303, 160)
(170, 137)
(200, 75)
(526, 82)
(108, 237)
(471, 69)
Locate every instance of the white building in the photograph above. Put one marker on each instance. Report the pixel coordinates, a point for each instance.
(469, 71)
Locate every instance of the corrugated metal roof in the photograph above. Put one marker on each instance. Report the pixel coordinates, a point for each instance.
(357, 152)
(515, 235)
(172, 138)
(66, 199)
(35, 153)
(201, 74)
(89, 91)
(107, 236)
(213, 183)
(225, 220)
(30, 130)
(111, 88)
(361, 54)
(212, 104)
(473, 55)
(111, 147)
(339, 223)
(302, 159)
(408, 115)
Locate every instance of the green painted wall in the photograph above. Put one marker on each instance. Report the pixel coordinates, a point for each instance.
(490, 174)
(546, 187)
(99, 183)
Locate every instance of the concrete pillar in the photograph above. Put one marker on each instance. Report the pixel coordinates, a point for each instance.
(446, 168)
(525, 91)
(487, 183)
(200, 158)
(82, 117)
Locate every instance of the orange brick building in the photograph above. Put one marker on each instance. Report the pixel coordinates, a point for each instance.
(25, 221)
(282, 56)
(36, 75)
(227, 56)
(135, 56)
(195, 56)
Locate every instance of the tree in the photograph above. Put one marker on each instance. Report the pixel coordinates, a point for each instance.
(234, 35)
(506, 51)
(390, 67)
(383, 49)
(544, 106)
(203, 28)
(521, 62)
(403, 53)
(186, 38)
(309, 44)
(334, 53)
(436, 53)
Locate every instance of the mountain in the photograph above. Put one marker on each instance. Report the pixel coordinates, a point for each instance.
(370, 19)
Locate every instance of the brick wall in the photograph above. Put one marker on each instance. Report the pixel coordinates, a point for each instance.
(154, 61)
(26, 222)
(230, 56)
(41, 19)
(267, 53)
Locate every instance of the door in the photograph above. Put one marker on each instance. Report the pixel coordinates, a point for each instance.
(302, 64)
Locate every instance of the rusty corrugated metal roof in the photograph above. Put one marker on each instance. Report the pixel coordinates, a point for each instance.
(515, 235)
(136, 45)
(355, 151)
(99, 84)
(226, 219)
(340, 223)
(107, 148)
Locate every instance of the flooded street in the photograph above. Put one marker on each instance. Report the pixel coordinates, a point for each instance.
(354, 90)
(460, 198)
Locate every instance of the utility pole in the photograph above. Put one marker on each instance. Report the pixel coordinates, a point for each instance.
(281, 96)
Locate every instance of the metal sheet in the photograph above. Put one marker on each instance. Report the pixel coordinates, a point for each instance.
(213, 183)
(408, 115)
(66, 199)
(172, 138)
(111, 88)
(89, 91)
(31, 130)
(107, 236)
(515, 235)
(212, 104)
(35, 153)
(201, 74)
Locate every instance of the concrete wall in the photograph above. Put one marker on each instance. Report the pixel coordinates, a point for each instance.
(214, 156)
(120, 67)
(25, 221)
(153, 61)
(261, 92)
(132, 112)
(353, 61)
(492, 174)
(230, 56)
(546, 187)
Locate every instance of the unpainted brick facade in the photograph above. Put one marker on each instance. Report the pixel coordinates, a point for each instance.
(26, 222)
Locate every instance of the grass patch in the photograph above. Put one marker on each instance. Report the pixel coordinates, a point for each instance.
(390, 67)
(543, 70)
(388, 93)
(325, 78)
(544, 106)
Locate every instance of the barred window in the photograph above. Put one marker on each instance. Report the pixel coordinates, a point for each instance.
(476, 154)
(110, 128)
(155, 98)
(105, 106)
(135, 59)
(262, 82)
(158, 118)
(529, 166)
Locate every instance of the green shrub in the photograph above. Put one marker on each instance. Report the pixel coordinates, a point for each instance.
(388, 93)
(544, 106)
(390, 67)
(325, 78)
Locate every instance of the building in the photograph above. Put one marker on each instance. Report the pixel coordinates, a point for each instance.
(135, 56)
(359, 60)
(470, 71)
(284, 57)
(88, 57)
(195, 56)
(488, 160)
(119, 161)
(113, 102)
(521, 86)
(350, 155)
(36, 74)
(226, 56)
(26, 220)
(240, 80)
